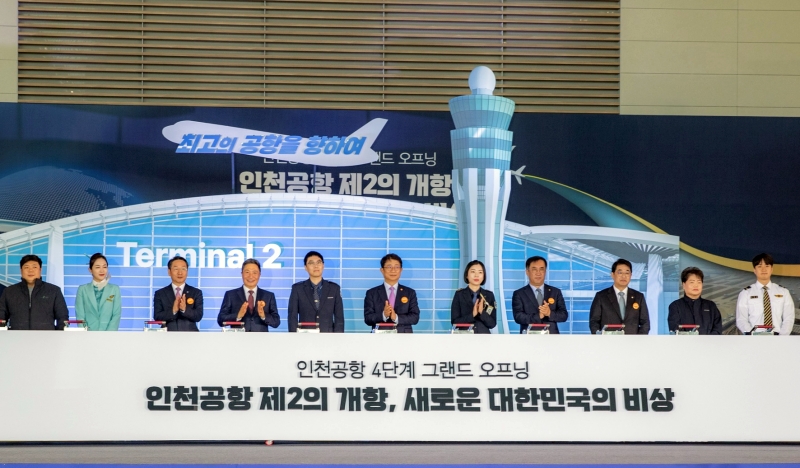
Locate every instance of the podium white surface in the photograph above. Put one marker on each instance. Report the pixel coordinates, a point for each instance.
(95, 387)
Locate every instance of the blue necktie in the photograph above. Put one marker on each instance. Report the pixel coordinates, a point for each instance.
(622, 305)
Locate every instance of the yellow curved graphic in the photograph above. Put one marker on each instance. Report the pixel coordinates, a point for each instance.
(778, 270)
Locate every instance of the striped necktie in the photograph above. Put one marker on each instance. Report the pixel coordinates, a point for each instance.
(767, 308)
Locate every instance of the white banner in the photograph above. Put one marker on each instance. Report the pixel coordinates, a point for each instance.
(254, 386)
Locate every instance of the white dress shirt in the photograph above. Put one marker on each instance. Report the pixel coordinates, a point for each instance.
(750, 308)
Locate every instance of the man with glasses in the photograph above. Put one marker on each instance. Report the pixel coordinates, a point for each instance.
(391, 302)
(316, 300)
(178, 304)
(619, 304)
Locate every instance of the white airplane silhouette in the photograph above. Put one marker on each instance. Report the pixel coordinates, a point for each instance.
(355, 153)
(518, 174)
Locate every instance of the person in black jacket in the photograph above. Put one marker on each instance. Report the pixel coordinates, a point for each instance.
(315, 299)
(474, 304)
(33, 304)
(692, 309)
(253, 306)
(178, 304)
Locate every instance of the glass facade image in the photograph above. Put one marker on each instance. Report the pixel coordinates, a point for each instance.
(217, 233)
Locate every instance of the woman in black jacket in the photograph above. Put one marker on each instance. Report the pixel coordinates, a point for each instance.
(473, 304)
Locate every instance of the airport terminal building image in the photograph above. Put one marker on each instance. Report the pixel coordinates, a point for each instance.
(217, 233)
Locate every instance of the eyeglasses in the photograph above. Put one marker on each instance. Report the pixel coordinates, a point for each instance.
(316, 263)
(392, 268)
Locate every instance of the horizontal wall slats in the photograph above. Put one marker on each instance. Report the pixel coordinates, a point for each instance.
(548, 56)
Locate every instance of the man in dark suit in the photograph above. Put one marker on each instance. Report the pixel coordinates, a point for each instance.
(391, 302)
(537, 302)
(315, 299)
(33, 304)
(692, 309)
(178, 304)
(619, 304)
(250, 304)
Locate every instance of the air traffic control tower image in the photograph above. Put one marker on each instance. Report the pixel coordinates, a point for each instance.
(481, 147)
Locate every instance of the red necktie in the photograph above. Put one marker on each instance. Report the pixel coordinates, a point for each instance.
(250, 302)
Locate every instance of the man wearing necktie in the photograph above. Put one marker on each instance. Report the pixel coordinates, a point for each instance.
(537, 302)
(619, 304)
(764, 302)
(692, 309)
(249, 304)
(316, 300)
(178, 304)
(391, 302)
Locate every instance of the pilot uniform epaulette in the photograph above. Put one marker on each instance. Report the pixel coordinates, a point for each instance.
(748, 287)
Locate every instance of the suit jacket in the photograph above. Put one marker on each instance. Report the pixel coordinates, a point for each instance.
(405, 306)
(605, 311)
(182, 321)
(526, 308)
(43, 309)
(461, 310)
(234, 299)
(106, 316)
(681, 313)
(331, 311)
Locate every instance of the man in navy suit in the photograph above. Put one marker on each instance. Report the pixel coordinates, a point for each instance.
(250, 304)
(620, 304)
(315, 299)
(537, 302)
(178, 304)
(391, 302)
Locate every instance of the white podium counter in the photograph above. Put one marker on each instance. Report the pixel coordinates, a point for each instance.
(389, 387)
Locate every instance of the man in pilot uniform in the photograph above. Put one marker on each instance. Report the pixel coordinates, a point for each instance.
(764, 302)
